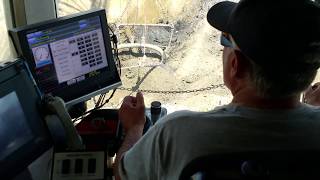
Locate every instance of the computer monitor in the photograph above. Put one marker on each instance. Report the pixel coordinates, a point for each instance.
(70, 57)
(23, 134)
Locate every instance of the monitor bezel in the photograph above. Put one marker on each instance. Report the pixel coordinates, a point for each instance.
(112, 77)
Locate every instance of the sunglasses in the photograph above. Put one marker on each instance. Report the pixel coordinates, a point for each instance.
(225, 40)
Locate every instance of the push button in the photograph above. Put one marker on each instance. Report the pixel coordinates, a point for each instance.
(78, 166)
(65, 169)
(92, 166)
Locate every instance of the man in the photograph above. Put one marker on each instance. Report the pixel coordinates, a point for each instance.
(271, 55)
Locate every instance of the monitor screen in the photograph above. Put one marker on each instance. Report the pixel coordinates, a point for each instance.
(70, 57)
(23, 133)
(14, 130)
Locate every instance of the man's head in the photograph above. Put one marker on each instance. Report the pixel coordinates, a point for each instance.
(272, 45)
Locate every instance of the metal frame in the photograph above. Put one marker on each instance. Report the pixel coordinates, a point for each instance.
(26, 12)
(145, 45)
(23, 12)
(95, 93)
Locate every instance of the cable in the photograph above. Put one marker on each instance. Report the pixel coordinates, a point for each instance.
(102, 99)
(97, 103)
(97, 107)
(117, 56)
(111, 96)
(112, 32)
(114, 40)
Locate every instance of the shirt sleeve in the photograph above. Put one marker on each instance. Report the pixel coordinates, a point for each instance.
(142, 161)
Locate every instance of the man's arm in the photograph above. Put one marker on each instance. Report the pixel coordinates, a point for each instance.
(132, 136)
(132, 117)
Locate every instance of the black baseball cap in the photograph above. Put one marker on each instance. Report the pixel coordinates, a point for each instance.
(273, 34)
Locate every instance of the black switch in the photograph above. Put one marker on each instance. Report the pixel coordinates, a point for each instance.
(92, 166)
(65, 169)
(78, 166)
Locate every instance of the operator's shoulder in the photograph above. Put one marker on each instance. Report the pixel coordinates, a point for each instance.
(312, 111)
(186, 115)
(313, 108)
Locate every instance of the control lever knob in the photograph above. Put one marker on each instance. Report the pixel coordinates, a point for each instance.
(155, 111)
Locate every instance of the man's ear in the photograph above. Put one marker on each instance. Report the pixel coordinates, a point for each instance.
(233, 64)
(240, 65)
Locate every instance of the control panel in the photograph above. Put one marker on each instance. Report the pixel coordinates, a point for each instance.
(78, 166)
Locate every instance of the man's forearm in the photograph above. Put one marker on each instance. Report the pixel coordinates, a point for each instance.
(132, 136)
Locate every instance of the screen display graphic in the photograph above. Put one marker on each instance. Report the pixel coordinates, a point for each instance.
(67, 54)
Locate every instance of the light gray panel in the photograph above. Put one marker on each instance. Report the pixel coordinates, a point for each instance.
(39, 10)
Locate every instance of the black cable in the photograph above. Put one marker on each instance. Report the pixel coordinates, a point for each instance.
(111, 30)
(102, 98)
(111, 96)
(117, 56)
(98, 102)
(97, 107)
(116, 52)
(114, 40)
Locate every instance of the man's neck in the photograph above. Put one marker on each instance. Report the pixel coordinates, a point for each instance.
(249, 98)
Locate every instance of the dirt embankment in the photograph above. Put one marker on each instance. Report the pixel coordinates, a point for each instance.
(147, 11)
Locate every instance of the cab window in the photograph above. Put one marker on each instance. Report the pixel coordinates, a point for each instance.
(180, 64)
(6, 47)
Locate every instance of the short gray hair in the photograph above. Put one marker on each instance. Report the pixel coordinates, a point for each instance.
(286, 83)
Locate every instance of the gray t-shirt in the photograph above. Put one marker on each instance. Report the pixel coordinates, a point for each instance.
(182, 136)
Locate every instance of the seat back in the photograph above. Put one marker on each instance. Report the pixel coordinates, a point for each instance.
(258, 165)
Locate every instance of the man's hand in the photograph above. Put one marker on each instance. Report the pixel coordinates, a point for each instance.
(132, 117)
(312, 95)
(132, 112)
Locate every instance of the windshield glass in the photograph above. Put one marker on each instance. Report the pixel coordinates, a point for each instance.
(6, 52)
(167, 50)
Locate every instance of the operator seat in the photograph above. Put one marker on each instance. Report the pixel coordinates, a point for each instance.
(256, 165)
